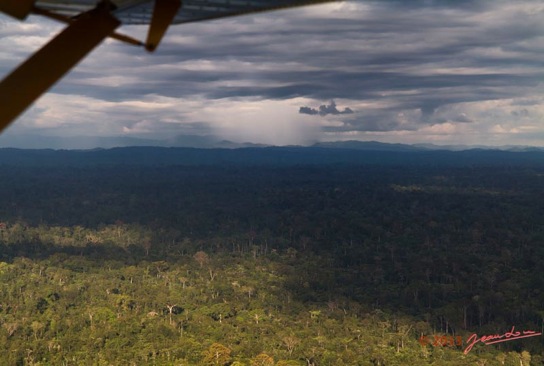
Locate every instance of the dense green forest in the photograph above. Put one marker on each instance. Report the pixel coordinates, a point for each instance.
(270, 258)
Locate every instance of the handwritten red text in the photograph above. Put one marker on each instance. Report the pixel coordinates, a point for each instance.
(497, 338)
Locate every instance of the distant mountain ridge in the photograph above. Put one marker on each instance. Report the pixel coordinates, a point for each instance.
(383, 146)
(211, 142)
(264, 156)
(93, 142)
(367, 145)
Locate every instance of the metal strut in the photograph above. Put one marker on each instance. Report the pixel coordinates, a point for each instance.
(19, 9)
(164, 13)
(68, 20)
(42, 70)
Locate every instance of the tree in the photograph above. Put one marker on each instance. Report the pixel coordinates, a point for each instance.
(290, 342)
(37, 328)
(201, 257)
(288, 363)
(216, 355)
(525, 358)
(11, 328)
(262, 360)
(170, 311)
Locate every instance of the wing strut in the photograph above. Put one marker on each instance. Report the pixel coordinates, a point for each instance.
(68, 20)
(36, 75)
(17, 8)
(163, 15)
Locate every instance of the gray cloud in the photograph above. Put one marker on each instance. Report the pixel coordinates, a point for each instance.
(399, 65)
(463, 118)
(324, 110)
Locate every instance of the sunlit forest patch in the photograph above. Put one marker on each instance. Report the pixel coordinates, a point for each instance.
(270, 265)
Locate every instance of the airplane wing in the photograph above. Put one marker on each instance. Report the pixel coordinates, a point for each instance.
(140, 12)
(89, 23)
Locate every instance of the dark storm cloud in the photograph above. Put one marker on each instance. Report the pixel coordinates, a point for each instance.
(344, 57)
(324, 110)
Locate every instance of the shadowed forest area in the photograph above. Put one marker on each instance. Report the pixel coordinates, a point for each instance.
(277, 258)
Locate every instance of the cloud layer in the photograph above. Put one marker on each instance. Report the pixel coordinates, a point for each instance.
(419, 71)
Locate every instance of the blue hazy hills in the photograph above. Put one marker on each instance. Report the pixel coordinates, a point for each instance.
(350, 152)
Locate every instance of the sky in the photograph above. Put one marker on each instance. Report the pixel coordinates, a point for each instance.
(420, 71)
